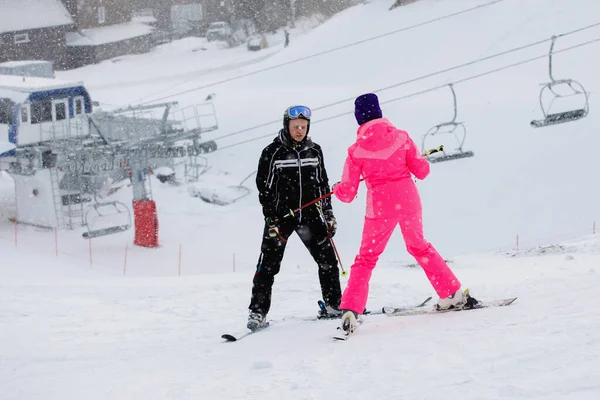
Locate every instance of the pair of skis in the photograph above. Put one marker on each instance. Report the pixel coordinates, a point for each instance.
(385, 310)
(419, 310)
(391, 312)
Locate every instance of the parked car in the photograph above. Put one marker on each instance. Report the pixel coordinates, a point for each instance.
(219, 30)
(257, 42)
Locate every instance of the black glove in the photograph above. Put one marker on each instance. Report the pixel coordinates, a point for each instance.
(273, 224)
(331, 222)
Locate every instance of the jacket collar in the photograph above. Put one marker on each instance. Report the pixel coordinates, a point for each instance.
(287, 141)
(362, 128)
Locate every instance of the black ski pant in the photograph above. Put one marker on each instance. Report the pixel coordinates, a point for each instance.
(314, 234)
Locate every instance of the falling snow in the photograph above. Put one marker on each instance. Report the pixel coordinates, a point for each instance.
(103, 319)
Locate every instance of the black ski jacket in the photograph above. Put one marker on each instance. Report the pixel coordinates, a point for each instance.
(290, 174)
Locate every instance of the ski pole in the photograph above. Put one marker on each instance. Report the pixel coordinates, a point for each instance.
(310, 203)
(292, 212)
(344, 273)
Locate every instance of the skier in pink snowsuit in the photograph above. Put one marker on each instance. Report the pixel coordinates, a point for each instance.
(386, 157)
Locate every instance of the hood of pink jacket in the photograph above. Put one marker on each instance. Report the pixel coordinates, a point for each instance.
(386, 158)
(378, 138)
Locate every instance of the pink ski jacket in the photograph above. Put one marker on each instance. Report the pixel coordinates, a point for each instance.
(385, 157)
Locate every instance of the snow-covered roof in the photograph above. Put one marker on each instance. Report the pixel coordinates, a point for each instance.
(6, 146)
(14, 96)
(107, 34)
(30, 84)
(11, 64)
(20, 15)
(144, 19)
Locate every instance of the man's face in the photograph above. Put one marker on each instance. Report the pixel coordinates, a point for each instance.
(298, 128)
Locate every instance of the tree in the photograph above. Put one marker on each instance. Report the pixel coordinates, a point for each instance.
(254, 10)
(325, 7)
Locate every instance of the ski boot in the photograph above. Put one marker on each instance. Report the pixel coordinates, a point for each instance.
(459, 299)
(256, 320)
(350, 321)
(327, 311)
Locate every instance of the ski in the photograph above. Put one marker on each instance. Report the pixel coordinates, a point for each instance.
(418, 311)
(391, 310)
(479, 305)
(231, 338)
(347, 334)
(384, 310)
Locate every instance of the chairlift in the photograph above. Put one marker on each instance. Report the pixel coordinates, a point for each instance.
(222, 196)
(106, 218)
(208, 146)
(455, 129)
(575, 89)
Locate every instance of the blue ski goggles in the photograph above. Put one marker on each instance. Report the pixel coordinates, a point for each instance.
(299, 111)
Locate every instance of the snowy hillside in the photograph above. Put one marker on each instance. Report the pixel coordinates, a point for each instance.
(105, 319)
(73, 332)
(514, 184)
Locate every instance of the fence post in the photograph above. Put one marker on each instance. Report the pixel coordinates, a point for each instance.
(179, 260)
(125, 263)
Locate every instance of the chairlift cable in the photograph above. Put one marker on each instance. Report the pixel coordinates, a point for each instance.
(420, 92)
(467, 64)
(493, 71)
(422, 77)
(406, 28)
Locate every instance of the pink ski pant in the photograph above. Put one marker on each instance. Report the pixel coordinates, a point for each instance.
(376, 234)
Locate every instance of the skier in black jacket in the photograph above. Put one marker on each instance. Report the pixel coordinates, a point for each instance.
(291, 173)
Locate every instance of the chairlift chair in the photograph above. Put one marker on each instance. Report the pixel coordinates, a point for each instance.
(223, 196)
(453, 128)
(576, 89)
(100, 219)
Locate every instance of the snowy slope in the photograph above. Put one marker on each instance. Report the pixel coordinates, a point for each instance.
(69, 332)
(513, 186)
(75, 327)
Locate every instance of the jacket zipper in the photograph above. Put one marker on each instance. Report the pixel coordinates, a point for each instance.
(299, 181)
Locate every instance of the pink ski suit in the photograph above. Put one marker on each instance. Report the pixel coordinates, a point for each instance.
(386, 157)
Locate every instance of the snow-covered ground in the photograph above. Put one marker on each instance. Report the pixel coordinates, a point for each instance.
(106, 319)
(175, 66)
(73, 332)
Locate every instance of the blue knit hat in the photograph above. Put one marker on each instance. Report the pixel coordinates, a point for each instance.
(366, 108)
